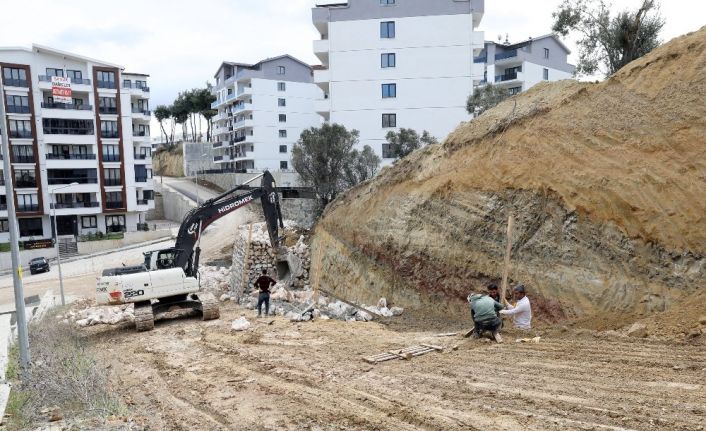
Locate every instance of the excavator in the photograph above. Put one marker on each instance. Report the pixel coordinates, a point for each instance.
(169, 277)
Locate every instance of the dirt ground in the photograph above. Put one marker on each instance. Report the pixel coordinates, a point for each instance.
(188, 374)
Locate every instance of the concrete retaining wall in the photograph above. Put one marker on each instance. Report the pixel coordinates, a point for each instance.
(175, 205)
(25, 257)
(230, 180)
(193, 160)
(156, 213)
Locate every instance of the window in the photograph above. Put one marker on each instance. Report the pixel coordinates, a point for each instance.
(111, 177)
(389, 120)
(282, 148)
(387, 60)
(17, 104)
(281, 86)
(30, 226)
(140, 174)
(89, 222)
(141, 84)
(27, 203)
(107, 105)
(77, 102)
(387, 2)
(127, 83)
(389, 91)
(141, 130)
(115, 223)
(546, 52)
(109, 129)
(68, 176)
(113, 200)
(111, 153)
(57, 126)
(281, 70)
(282, 133)
(282, 118)
(54, 72)
(148, 195)
(20, 129)
(75, 75)
(283, 165)
(546, 74)
(387, 30)
(106, 79)
(282, 102)
(22, 154)
(4, 225)
(15, 77)
(387, 152)
(25, 178)
(515, 90)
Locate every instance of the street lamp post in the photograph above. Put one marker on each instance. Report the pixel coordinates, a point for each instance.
(56, 239)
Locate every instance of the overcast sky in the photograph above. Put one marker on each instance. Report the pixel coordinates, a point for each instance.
(181, 43)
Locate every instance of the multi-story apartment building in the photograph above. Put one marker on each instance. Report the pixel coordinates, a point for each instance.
(262, 110)
(397, 64)
(519, 66)
(96, 136)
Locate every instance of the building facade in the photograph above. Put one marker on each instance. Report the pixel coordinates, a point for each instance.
(96, 135)
(262, 110)
(520, 66)
(390, 64)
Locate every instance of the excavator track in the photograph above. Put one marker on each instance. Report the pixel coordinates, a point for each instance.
(144, 317)
(209, 306)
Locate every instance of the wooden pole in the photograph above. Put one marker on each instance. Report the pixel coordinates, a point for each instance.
(508, 250)
(316, 276)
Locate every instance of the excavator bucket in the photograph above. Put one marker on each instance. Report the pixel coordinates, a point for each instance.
(283, 272)
(288, 266)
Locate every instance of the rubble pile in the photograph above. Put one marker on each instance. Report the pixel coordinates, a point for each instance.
(215, 279)
(107, 315)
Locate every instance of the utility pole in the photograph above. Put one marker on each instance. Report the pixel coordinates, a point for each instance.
(22, 337)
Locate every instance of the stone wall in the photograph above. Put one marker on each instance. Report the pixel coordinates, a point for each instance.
(156, 213)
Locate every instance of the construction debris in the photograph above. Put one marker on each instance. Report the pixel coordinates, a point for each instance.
(405, 354)
(528, 340)
(240, 324)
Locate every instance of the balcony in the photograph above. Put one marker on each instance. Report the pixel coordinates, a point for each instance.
(141, 111)
(67, 131)
(16, 82)
(143, 88)
(142, 202)
(215, 104)
(242, 107)
(52, 156)
(3, 207)
(142, 156)
(238, 140)
(114, 205)
(16, 109)
(140, 179)
(506, 77)
(20, 134)
(483, 59)
(218, 158)
(66, 205)
(505, 55)
(217, 144)
(66, 106)
(109, 135)
(69, 180)
(321, 50)
(108, 110)
(26, 184)
(24, 208)
(106, 84)
(230, 97)
(74, 81)
(23, 159)
(112, 182)
(110, 157)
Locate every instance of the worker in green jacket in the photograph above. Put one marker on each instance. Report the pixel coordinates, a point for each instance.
(484, 313)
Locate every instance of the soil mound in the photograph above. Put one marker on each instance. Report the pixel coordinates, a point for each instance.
(607, 182)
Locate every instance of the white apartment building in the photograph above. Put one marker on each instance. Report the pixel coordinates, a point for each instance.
(262, 110)
(390, 64)
(95, 135)
(519, 66)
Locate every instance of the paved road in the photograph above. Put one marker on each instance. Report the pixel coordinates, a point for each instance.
(188, 188)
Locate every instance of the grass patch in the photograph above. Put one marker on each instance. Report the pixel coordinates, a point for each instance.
(100, 236)
(5, 247)
(64, 374)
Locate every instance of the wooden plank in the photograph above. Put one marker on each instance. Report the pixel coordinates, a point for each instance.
(508, 250)
(446, 334)
(431, 346)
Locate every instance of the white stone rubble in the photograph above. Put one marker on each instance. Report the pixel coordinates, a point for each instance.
(107, 315)
(240, 324)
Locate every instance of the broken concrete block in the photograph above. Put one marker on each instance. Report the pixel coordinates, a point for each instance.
(224, 297)
(382, 303)
(396, 311)
(240, 324)
(384, 311)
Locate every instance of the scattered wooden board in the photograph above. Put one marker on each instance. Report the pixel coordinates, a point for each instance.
(446, 334)
(405, 354)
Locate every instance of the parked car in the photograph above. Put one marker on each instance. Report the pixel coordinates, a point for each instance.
(39, 264)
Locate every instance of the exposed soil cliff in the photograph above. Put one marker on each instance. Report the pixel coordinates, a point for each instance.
(169, 163)
(607, 183)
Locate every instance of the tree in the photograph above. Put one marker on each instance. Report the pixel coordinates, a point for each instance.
(324, 157)
(362, 166)
(181, 111)
(405, 141)
(485, 98)
(609, 43)
(162, 113)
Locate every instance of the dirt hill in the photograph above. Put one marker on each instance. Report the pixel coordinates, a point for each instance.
(607, 182)
(169, 163)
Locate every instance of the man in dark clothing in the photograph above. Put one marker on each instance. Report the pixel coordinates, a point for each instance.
(493, 293)
(264, 282)
(484, 313)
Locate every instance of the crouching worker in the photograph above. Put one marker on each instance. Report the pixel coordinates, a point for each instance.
(485, 318)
